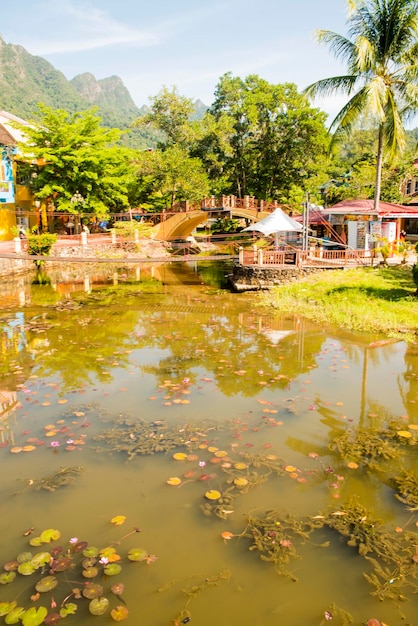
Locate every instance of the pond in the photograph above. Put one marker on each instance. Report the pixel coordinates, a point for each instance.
(172, 452)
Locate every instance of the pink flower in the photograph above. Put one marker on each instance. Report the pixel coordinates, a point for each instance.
(74, 540)
(202, 463)
(104, 560)
(55, 444)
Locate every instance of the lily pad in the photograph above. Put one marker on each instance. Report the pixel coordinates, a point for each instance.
(112, 569)
(99, 606)
(48, 583)
(6, 607)
(35, 541)
(118, 520)
(69, 608)
(24, 556)
(118, 589)
(137, 554)
(50, 535)
(173, 481)
(7, 577)
(34, 616)
(180, 456)
(26, 568)
(213, 494)
(92, 590)
(119, 613)
(91, 551)
(240, 481)
(52, 618)
(15, 615)
(11, 566)
(62, 564)
(40, 559)
(90, 572)
(80, 546)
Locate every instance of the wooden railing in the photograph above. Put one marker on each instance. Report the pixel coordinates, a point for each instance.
(314, 257)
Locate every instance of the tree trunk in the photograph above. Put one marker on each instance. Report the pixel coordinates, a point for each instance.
(379, 164)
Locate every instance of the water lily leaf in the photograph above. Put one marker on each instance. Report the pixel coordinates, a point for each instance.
(118, 589)
(6, 607)
(180, 456)
(62, 564)
(137, 554)
(119, 613)
(118, 520)
(108, 552)
(41, 558)
(240, 465)
(91, 551)
(112, 569)
(240, 481)
(15, 615)
(24, 556)
(34, 616)
(50, 535)
(213, 494)
(56, 551)
(7, 577)
(11, 566)
(173, 481)
(89, 562)
(52, 619)
(99, 606)
(26, 568)
(35, 541)
(405, 434)
(92, 590)
(80, 546)
(68, 609)
(46, 584)
(90, 572)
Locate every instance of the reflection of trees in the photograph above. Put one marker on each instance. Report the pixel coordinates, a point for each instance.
(230, 346)
(408, 384)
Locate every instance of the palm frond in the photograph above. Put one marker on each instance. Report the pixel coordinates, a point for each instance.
(330, 86)
(340, 46)
(344, 121)
(394, 131)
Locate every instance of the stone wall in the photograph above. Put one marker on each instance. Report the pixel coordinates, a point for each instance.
(251, 278)
(14, 267)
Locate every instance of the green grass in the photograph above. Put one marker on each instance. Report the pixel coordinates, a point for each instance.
(369, 299)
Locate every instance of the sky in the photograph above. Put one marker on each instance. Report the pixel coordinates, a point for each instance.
(187, 44)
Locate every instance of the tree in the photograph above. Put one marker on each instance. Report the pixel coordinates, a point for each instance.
(382, 69)
(171, 116)
(267, 138)
(165, 177)
(77, 159)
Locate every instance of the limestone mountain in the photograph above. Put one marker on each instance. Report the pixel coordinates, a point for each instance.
(26, 80)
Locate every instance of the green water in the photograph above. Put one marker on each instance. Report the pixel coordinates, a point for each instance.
(122, 371)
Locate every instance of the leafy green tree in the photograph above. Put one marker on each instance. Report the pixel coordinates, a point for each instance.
(170, 115)
(166, 177)
(77, 155)
(265, 138)
(382, 70)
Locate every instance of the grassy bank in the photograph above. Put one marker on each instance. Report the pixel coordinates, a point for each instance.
(369, 299)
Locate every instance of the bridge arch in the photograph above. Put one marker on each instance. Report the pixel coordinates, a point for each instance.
(181, 225)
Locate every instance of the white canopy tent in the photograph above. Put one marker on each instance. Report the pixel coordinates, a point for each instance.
(276, 222)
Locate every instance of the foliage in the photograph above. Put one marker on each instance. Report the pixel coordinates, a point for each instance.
(169, 176)
(127, 229)
(381, 69)
(266, 138)
(80, 167)
(170, 115)
(415, 276)
(225, 225)
(40, 244)
(376, 300)
(88, 565)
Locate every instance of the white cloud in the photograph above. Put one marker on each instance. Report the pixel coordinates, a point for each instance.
(79, 27)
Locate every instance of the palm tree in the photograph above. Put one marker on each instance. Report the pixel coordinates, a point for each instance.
(382, 69)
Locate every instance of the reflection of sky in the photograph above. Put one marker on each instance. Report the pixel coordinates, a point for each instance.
(16, 328)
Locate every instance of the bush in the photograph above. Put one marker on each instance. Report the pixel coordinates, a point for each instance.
(40, 245)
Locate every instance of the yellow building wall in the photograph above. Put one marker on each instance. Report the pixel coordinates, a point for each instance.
(7, 221)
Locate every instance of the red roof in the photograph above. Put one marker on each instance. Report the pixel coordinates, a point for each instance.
(365, 207)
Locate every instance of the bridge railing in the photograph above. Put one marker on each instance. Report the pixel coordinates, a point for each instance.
(232, 202)
(289, 255)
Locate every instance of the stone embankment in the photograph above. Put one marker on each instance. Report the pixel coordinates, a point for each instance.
(254, 278)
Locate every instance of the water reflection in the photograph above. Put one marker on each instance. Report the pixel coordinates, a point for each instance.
(102, 364)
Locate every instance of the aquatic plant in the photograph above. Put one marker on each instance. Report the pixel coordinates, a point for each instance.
(64, 477)
(64, 577)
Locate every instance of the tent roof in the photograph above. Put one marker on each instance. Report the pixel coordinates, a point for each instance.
(276, 222)
(365, 207)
